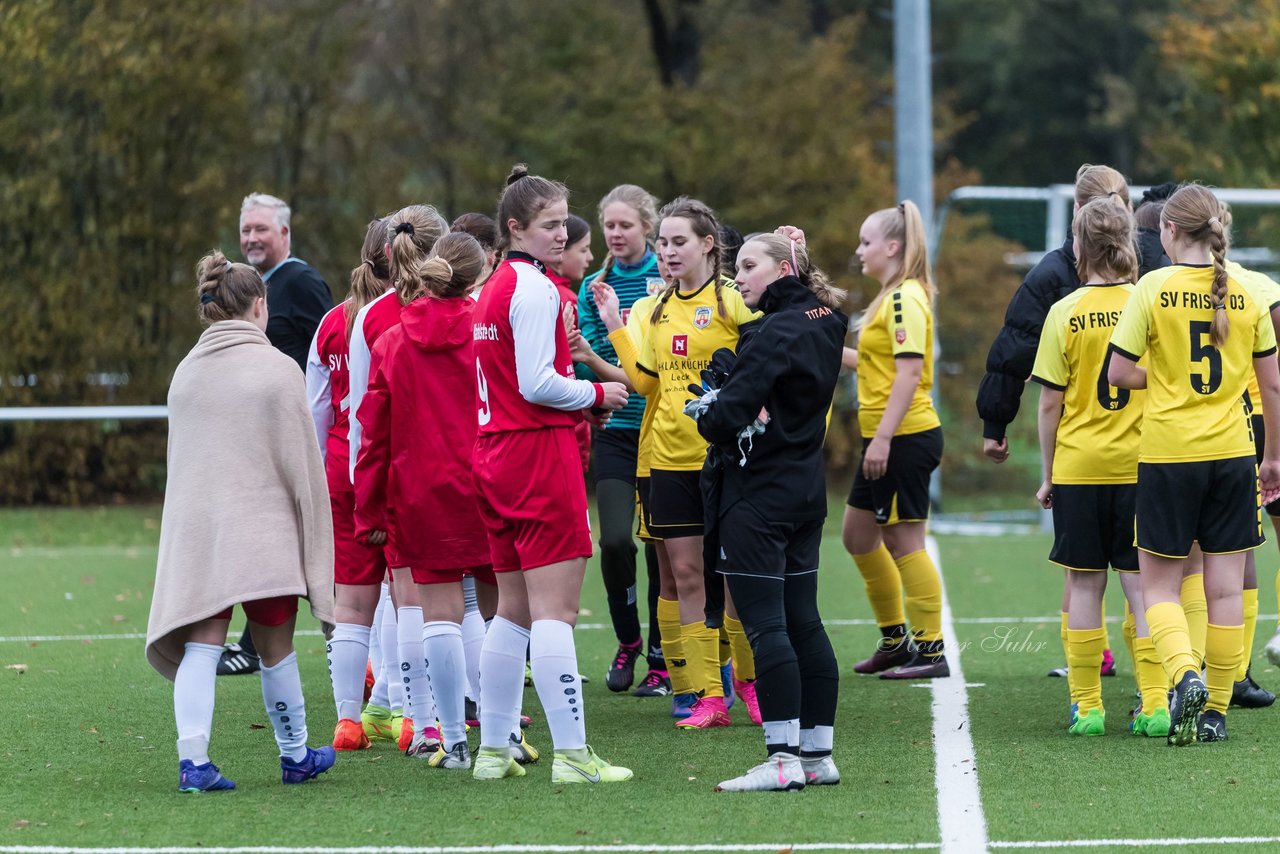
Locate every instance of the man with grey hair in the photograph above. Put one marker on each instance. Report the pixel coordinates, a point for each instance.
(297, 298)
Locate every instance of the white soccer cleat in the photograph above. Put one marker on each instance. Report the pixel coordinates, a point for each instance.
(820, 771)
(1272, 649)
(781, 772)
(457, 758)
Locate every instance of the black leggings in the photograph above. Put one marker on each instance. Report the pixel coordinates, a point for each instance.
(796, 671)
(616, 505)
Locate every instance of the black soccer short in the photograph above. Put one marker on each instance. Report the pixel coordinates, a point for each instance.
(1216, 502)
(643, 517)
(1093, 526)
(616, 451)
(750, 544)
(902, 494)
(675, 504)
(1259, 429)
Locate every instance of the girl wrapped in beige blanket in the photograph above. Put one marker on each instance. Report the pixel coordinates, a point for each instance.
(246, 521)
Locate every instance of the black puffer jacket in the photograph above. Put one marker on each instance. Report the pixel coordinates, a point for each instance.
(788, 362)
(1150, 253)
(1013, 352)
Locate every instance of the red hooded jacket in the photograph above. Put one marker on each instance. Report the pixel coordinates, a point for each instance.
(418, 420)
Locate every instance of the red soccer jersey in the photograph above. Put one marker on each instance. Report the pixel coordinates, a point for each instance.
(413, 473)
(372, 321)
(327, 390)
(524, 370)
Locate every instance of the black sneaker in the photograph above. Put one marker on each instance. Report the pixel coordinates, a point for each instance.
(623, 670)
(920, 667)
(236, 661)
(1186, 701)
(885, 657)
(1247, 694)
(1212, 727)
(656, 683)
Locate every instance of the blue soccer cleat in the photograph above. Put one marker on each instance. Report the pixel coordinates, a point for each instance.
(193, 778)
(315, 763)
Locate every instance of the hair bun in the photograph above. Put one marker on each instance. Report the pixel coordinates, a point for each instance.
(212, 268)
(520, 170)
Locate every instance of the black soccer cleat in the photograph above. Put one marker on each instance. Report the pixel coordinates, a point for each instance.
(887, 656)
(1212, 727)
(1247, 694)
(1186, 701)
(622, 672)
(236, 661)
(920, 667)
(657, 683)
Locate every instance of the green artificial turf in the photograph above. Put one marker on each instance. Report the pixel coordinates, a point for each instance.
(87, 736)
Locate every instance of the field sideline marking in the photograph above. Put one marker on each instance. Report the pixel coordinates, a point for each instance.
(491, 849)
(961, 822)
(1175, 842)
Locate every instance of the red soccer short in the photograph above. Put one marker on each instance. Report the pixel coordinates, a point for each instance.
(446, 576)
(353, 562)
(532, 497)
(275, 611)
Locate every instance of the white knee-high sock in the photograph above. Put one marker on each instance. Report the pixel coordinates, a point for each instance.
(501, 681)
(375, 639)
(472, 637)
(193, 700)
(348, 651)
(446, 673)
(554, 660)
(413, 669)
(391, 658)
(282, 696)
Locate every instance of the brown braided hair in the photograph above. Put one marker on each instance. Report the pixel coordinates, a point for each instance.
(1198, 214)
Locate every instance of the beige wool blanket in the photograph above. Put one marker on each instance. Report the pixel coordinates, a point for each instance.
(246, 507)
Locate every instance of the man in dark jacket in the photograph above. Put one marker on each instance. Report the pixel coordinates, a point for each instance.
(766, 426)
(297, 298)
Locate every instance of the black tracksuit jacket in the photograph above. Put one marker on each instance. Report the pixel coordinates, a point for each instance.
(788, 362)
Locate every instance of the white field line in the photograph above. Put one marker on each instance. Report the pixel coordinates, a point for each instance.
(961, 823)
(1173, 842)
(494, 849)
(1148, 844)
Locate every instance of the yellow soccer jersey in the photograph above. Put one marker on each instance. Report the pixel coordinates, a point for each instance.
(902, 327)
(1098, 435)
(638, 329)
(1271, 297)
(1195, 391)
(677, 348)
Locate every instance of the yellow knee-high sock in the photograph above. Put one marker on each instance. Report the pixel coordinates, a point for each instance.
(1172, 640)
(884, 586)
(702, 650)
(673, 646)
(1250, 630)
(1224, 647)
(1106, 635)
(725, 650)
(1129, 628)
(1084, 661)
(744, 663)
(1066, 655)
(1152, 680)
(1196, 607)
(923, 589)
